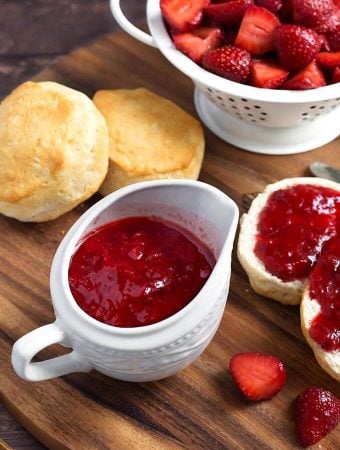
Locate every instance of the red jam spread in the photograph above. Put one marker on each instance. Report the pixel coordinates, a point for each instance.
(138, 271)
(293, 227)
(324, 287)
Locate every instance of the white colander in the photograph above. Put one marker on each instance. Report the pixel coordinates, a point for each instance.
(266, 121)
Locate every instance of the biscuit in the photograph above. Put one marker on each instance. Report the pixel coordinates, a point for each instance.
(53, 151)
(150, 138)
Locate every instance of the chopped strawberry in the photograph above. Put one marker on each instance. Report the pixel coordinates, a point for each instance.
(336, 76)
(267, 74)
(313, 13)
(272, 5)
(286, 12)
(296, 46)
(228, 13)
(334, 39)
(258, 376)
(308, 78)
(183, 15)
(257, 30)
(198, 42)
(324, 43)
(316, 413)
(229, 62)
(328, 60)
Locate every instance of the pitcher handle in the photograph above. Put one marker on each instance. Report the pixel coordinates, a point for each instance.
(32, 343)
(127, 26)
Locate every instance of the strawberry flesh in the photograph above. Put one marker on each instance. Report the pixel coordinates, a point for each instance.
(316, 413)
(229, 62)
(310, 77)
(183, 15)
(336, 76)
(228, 13)
(328, 60)
(297, 46)
(267, 74)
(257, 30)
(198, 42)
(258, 376)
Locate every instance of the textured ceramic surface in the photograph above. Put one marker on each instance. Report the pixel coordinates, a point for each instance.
(154, 351)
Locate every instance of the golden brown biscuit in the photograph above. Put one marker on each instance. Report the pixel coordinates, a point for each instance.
(53, 151)
(150, 138)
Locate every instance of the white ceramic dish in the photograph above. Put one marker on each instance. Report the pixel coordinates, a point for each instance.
(154, 351)
(266, 121)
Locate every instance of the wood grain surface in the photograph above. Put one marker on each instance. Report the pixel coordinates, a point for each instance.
(199, 408)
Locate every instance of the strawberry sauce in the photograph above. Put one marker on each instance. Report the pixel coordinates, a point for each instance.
(293, 228)
(324, 287)
(138, 271)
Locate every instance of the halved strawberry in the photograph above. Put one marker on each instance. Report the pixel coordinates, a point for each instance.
(257, 30)
(183, 15)
(313, 13)
(336, 76)
(272, 5)
(229, 62)
(328, 60)
(258, 376)
(316, 413)
(297, 46)
(228, 13)
(198, 42)
(310, 77)
(267, 74)
(333, 38)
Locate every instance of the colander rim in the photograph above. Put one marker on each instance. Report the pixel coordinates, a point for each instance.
(199, 75)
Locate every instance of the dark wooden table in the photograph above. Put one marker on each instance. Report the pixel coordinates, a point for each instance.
(34, 34)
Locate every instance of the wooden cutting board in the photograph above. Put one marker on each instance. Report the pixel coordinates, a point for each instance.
(200, 408)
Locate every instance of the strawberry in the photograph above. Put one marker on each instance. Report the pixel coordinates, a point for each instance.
(256, 30)
(316, 413)
(266, 74)
(336, 76)
(183, 15)
(229, 62)
(272, 5)
(198, 42)
(313, 13)
(229, 13)
(308, 78)
(286, 12)
(328, 60)
(296, 46)
(257, 375)
(334, 39)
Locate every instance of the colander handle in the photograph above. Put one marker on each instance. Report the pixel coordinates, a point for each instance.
(127, 26)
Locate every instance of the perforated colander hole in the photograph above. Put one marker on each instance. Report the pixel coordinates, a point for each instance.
(234, 107)
(244, 100)
(257, 107)
(231, 100)
(312, 107)
(246, 107)
(263, 114)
